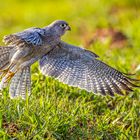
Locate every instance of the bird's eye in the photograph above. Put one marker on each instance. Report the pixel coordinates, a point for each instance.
(63, 25)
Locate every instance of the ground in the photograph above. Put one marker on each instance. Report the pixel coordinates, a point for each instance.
(55, 111)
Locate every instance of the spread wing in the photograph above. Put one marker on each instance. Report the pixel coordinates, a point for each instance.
(80, 68)
(31, 36)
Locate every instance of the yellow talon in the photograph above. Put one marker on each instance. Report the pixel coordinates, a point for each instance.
(4, 72)
(9, 76)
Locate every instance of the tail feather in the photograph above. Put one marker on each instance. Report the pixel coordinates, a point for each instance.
(21, 83)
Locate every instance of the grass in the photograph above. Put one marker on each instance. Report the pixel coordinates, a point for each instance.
(55, 111)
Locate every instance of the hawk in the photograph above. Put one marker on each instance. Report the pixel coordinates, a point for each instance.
(67, 63)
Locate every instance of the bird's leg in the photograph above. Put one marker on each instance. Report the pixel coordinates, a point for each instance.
(8, 73)
(5, 71)
(8, 76)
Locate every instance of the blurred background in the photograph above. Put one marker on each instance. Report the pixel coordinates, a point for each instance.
(99, 25)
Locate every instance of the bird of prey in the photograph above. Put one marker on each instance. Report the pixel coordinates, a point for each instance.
(69, 64)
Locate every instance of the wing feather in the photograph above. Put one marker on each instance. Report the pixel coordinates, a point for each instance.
(5, 53)
(31, 36)
(80, 68)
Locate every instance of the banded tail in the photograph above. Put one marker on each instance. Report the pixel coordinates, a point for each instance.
(21, 83)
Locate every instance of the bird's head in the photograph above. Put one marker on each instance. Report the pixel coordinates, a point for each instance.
(60, 27)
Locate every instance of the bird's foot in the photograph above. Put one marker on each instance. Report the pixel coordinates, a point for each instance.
(4, 72)
(8, 76)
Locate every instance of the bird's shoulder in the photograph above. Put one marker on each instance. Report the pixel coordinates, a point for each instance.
(77, 51)
(32, 30)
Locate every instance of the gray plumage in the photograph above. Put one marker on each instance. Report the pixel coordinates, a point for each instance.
(4, 56)
(32, 36)
(21, 83)
(81, 68)
(69, 64)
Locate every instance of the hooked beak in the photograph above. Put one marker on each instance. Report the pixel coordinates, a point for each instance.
(68, 28)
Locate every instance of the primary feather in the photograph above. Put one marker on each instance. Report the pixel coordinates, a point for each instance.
(80, 68)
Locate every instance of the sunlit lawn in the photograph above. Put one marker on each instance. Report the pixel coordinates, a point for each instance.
(56, 111)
